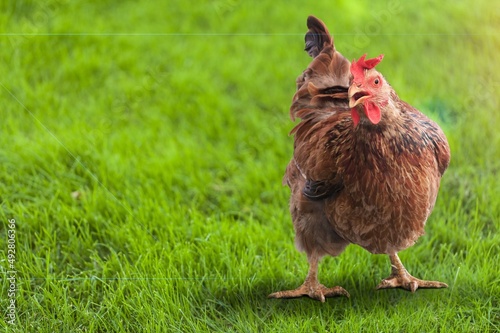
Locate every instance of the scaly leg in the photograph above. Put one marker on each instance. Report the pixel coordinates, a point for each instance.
(400, 278)
(311, 286)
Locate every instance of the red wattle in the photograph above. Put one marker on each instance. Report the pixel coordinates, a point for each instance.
(372, 112)
(355, 116)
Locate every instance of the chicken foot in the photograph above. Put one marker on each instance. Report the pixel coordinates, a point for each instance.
(311, 286)
(400, 278)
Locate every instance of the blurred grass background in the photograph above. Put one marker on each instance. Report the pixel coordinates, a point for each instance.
(142, 148)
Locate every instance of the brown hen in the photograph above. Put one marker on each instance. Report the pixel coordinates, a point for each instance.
(366, 166)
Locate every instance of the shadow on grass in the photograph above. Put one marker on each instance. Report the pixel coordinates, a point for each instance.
(238, 297)
(244, 306)
(240, 300)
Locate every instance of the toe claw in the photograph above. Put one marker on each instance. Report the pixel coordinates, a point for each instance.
(383, 285)
(337, 291)
(273, 295)
(320, 297)
(413, 286)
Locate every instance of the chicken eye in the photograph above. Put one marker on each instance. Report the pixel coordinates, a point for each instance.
(376, 81)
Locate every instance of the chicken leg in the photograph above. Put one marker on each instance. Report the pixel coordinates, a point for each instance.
(311, 286)
(400, 278)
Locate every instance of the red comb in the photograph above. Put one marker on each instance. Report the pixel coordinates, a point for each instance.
(358, 67)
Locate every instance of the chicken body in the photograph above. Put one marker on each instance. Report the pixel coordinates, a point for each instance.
(366, 166)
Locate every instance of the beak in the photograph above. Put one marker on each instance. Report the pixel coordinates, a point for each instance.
(356, 96)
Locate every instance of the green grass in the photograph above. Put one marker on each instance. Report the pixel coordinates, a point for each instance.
(170, 121)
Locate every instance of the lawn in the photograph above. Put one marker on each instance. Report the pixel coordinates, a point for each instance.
(143, 145)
